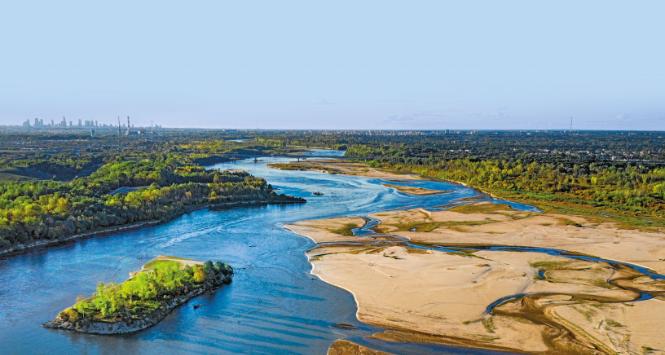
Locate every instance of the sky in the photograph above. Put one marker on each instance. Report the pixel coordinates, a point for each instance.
(377, 64)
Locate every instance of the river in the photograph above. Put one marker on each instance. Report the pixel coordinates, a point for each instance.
(273, 305)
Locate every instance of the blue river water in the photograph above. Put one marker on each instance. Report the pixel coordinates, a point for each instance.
(274, 304)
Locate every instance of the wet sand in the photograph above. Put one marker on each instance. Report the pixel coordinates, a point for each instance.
(634, 329)
(489, 225)
(433, 296)
(401, 290)
(327, 230)
(412, 190)
(506, 300)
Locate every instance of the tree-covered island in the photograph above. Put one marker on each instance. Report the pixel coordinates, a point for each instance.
(145, 298)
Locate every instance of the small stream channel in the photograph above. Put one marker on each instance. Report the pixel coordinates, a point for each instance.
(274, 304)
(367, 230)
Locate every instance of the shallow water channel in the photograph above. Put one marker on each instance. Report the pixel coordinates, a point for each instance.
(273, 305)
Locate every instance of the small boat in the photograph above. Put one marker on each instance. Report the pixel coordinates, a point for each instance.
(317, 193)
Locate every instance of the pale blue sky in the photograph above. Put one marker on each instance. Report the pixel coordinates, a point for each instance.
(336, 64)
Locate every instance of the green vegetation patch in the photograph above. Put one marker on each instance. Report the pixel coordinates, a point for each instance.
(550, 265)
(163, 261)
(169, 186)
(613, 324)
(481, 208)
(562, 176)
(431, 226)
(345, 230)
(159, 281)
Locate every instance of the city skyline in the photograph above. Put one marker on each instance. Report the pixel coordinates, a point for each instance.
(347, 65)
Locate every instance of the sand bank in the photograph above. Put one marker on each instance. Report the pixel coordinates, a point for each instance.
(412, 190)
(336, 166)
(489, 225)
(426, 295)
(345, 347)
(327, 230)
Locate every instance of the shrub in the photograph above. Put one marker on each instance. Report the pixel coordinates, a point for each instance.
(70, 315)
(199, 274)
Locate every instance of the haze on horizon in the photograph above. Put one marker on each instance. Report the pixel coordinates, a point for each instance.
(342, 64)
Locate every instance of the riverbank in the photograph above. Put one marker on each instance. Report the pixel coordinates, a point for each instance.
(337, 166)
(552, 302)
(144, 299)
(328, 230)
(345, 347)
(497, 225)
(413, 190)
(41, 244)
(555, 202)
(546, 202)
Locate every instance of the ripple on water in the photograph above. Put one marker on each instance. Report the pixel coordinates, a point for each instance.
(273, 305)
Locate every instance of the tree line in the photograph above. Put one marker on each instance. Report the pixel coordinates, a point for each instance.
(124, 191)
(629, 189)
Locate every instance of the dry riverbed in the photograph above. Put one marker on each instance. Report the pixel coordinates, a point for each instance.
(420, 294)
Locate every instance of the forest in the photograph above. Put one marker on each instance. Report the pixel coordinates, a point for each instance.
(145, 182)
(55, 185)
(614, 174)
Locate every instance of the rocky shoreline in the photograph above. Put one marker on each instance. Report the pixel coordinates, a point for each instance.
(130, 325)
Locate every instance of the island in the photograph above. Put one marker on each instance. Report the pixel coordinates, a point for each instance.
(582, 270)
(144, 299)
